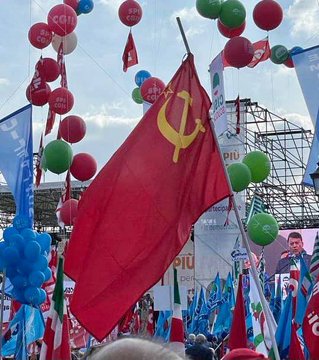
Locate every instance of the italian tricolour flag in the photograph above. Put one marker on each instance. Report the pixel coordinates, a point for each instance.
(56, 340)
(177, 326)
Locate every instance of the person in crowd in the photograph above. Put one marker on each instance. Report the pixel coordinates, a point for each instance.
(133, 349)
(284, 254)
(243, 354)
(200, 350)
(296, 251)
(190, 340)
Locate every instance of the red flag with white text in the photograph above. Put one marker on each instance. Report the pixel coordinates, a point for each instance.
(140, 208)
(130, 53)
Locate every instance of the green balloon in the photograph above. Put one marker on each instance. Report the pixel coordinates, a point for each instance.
(232, 14)
(239, 175)
(136, 96)
(279, 54)
(259, 165)
(263, 229)
(209, 8)
(58, 156)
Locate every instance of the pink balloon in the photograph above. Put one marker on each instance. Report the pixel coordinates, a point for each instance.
(238, 51)
(49, 70)
(230, 32)
(73, 3)
(83, 166)
(72, 129)
(151, 89)
(130, 12)
(267, 14)
(38, 97)
(61, 101)
(62, 19)
(40, 35)
(69, 211)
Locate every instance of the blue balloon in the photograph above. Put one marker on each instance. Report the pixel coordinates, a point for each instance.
(21, 222)
(85, 7)
(47, 274)
(32, 250)
(42, 297)
(32, 295)
(16, 241)
(18, 294)
(40, 264)
(8, 232)
(295, 50)
(19, 281)
(141, 76)
(36, 278)
(11, 271)
(25, 267)
(44, 241)
(11, 255)
(28, 234)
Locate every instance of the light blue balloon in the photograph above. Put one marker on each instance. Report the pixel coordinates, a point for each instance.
(141, 76)
(44, 241)
(32, 294)
(47, 274)
(25, 267)
(19, 281)
(36, 278)
(11, 255)
(8, 232)
(32, 250)
(21, 222)
(42, 297)
(85, 7)
(40, 264)
(28, 234)
(16, 241)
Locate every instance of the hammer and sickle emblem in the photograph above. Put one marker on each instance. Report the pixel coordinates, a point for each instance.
(178, 138)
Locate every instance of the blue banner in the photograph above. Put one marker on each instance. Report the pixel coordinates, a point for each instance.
(16, 154)
(306, 64)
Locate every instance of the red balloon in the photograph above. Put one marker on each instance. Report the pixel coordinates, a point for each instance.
(73, 3)
(151, 89)
(38, 97)
(267, 14)
(69, 211)
(230, 32)
(289, 63)
(61, 101)
(62, 19)
(49, 69)
(238, 51)
(72, 129)
(83, 166)
(130, 12)
(40, 35)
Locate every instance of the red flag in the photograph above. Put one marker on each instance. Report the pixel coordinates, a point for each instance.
(130, 54)
(61, 63)
(238, 332)
(261, 53)
(138, 212)
(50, 122)
(38, 167)
(293, 284)
(295, 350)
(38, 80)
(310, 325)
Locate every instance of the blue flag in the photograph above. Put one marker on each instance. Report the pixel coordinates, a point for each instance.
(16, 153)
(200, 301)
(277, 301)
(162, 325)
(27, 322)
(306, 65)
(191, 313)
(283, 332)
(215, 295)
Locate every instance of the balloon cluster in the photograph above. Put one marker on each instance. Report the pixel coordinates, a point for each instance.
(59, 30)
(23, 254)
(255, 167)
(231, 23)
(281, 55)
(148, 89)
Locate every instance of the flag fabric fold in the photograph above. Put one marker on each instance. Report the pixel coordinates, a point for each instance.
(140, 208)
(56, 339)
(129, 56)
(314, 264)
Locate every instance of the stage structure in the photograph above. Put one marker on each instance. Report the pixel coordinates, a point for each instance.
(287, 145)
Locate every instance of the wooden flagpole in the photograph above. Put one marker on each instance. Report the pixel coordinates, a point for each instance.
(268, 315)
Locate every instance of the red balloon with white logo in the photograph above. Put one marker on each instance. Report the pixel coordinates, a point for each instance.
(61, 101)
(39, 96)
(49, 69)
(268, 14)
(69, 211)
(62, 19)
(238, 51)
(130, 12)
(230, 32)
(72, 129)
(151, 89)
(83, 166)
(40, 35)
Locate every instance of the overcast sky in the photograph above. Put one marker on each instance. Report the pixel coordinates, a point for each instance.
(102, 90)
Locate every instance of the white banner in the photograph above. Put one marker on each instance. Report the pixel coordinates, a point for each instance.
(218, 109)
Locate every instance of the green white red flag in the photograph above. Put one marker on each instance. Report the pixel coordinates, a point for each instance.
(56, 339)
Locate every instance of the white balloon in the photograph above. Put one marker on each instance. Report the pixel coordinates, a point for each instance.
(70, 42)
